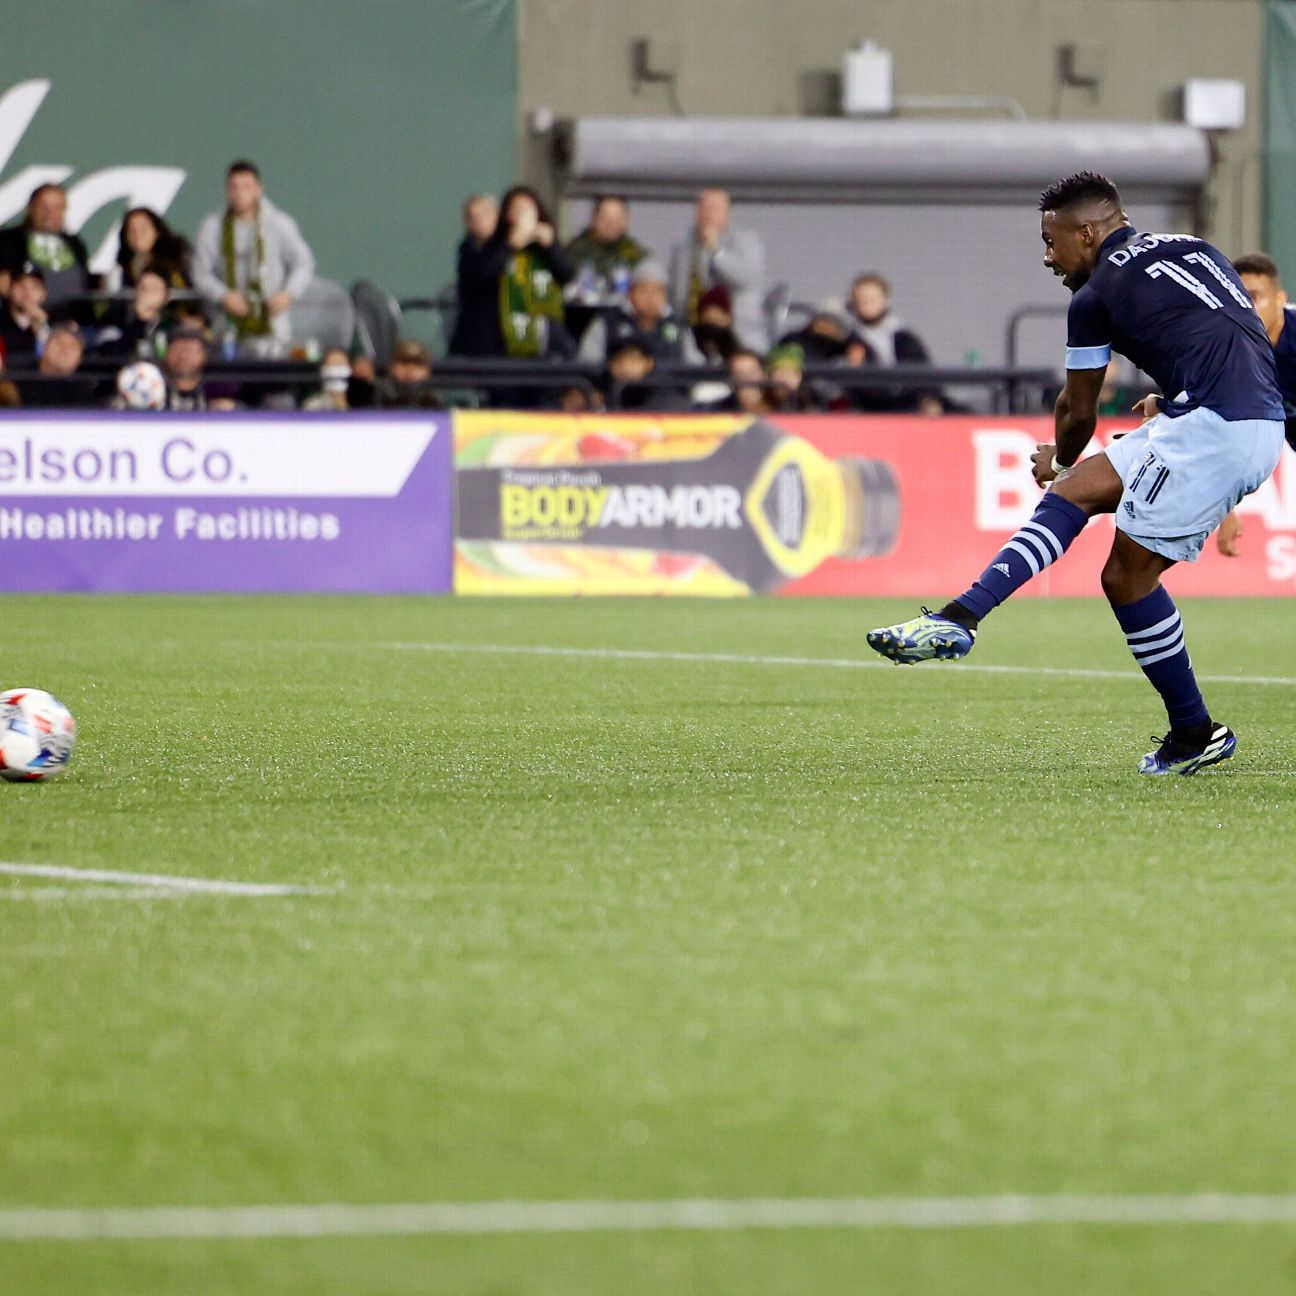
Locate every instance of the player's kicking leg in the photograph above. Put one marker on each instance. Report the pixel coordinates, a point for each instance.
(1090, 487)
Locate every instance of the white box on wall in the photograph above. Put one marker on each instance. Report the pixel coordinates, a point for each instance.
(866, 81)
(1215, 105)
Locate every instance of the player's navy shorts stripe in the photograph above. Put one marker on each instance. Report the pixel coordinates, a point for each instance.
(1157, 484)
(1143, 467)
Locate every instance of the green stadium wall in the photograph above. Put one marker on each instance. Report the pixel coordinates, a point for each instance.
(370, 119)
(1280, 136)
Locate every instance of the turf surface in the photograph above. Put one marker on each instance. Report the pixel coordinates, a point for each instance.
(638, 928)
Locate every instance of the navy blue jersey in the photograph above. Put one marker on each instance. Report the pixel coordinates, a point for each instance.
(1176, 308)
(1285, 359)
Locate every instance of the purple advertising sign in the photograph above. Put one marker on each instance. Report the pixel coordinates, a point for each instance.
(237, 503)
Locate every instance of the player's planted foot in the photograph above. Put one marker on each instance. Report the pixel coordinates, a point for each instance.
(1183, 755)
(928, 637)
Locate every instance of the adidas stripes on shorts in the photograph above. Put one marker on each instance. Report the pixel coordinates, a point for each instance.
(1183, 475)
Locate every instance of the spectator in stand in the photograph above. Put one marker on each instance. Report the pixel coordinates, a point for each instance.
(747, 386)
(824, 337)
(136, 330)
(788, 391)
(408, 383)
(24, 324)
(714, 254)
(713, 335)
(629, 362)
(510, 290)
(480, 217)
(60, 386)
(604, 257)
(147, 242)
(252, 263)
(889, 343)
(580, 400)
(183, 367)
(646, 315)
(333, 396)
(40, 240)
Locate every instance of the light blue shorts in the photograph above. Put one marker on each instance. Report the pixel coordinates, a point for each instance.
(1183, 475)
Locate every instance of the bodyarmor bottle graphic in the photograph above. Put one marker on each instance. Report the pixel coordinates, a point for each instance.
(766, 507)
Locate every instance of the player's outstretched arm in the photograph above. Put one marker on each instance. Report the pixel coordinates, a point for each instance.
(1075, 415)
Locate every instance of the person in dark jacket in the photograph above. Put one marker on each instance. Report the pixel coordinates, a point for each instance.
(24, 325)
(40, 240)
(510, 287)
(136, 329)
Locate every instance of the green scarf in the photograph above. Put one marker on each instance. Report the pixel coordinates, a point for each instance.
(256, 323)
(529, 299)
(585, 249)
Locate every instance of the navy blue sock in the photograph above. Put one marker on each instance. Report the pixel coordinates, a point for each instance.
(1039, 544)
(1155, 637)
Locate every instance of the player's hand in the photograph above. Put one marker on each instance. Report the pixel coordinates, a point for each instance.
(1228, 535)
(278, 303)
(1147, 408)
(1042, 463)
(236, 304)
(544, 234)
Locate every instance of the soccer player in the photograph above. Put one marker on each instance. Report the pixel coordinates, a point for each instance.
(1263, 283)
(1175, 307)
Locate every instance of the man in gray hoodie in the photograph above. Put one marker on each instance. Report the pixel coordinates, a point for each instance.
(713, 254)
(251, 262)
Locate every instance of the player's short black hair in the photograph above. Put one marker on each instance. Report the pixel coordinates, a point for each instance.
(1256, 263)
(1083, 187)
(244, 166)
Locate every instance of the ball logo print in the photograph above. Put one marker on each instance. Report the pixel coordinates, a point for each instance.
(37, 734)
(142, 386)
(135, 186)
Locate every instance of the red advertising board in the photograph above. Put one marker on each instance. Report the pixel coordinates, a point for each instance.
(966, 485)
(814, 505)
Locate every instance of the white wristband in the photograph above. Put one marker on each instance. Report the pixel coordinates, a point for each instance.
(1059, 468)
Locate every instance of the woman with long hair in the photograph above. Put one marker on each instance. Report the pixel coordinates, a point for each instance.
(147, 241)
(510, 288)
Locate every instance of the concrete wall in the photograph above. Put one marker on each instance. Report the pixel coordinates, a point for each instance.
(781, 58)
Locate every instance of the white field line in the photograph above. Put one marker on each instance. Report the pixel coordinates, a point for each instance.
(162, 881)
(460, 1218)
(836, 663)
(83, 892)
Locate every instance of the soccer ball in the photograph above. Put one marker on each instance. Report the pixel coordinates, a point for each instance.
(37, 734)
(142, 386)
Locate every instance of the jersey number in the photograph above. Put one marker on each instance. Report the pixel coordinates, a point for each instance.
(1186, 279)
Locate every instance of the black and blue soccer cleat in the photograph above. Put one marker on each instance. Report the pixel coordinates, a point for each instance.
(926, 638)
(1175, 757)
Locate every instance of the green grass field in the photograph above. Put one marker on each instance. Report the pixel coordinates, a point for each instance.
(642, 928)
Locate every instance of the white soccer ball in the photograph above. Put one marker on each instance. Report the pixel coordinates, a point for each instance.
(37, 734)
(142, 386)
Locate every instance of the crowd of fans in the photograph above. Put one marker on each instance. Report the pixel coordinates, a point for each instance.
(632, 319)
